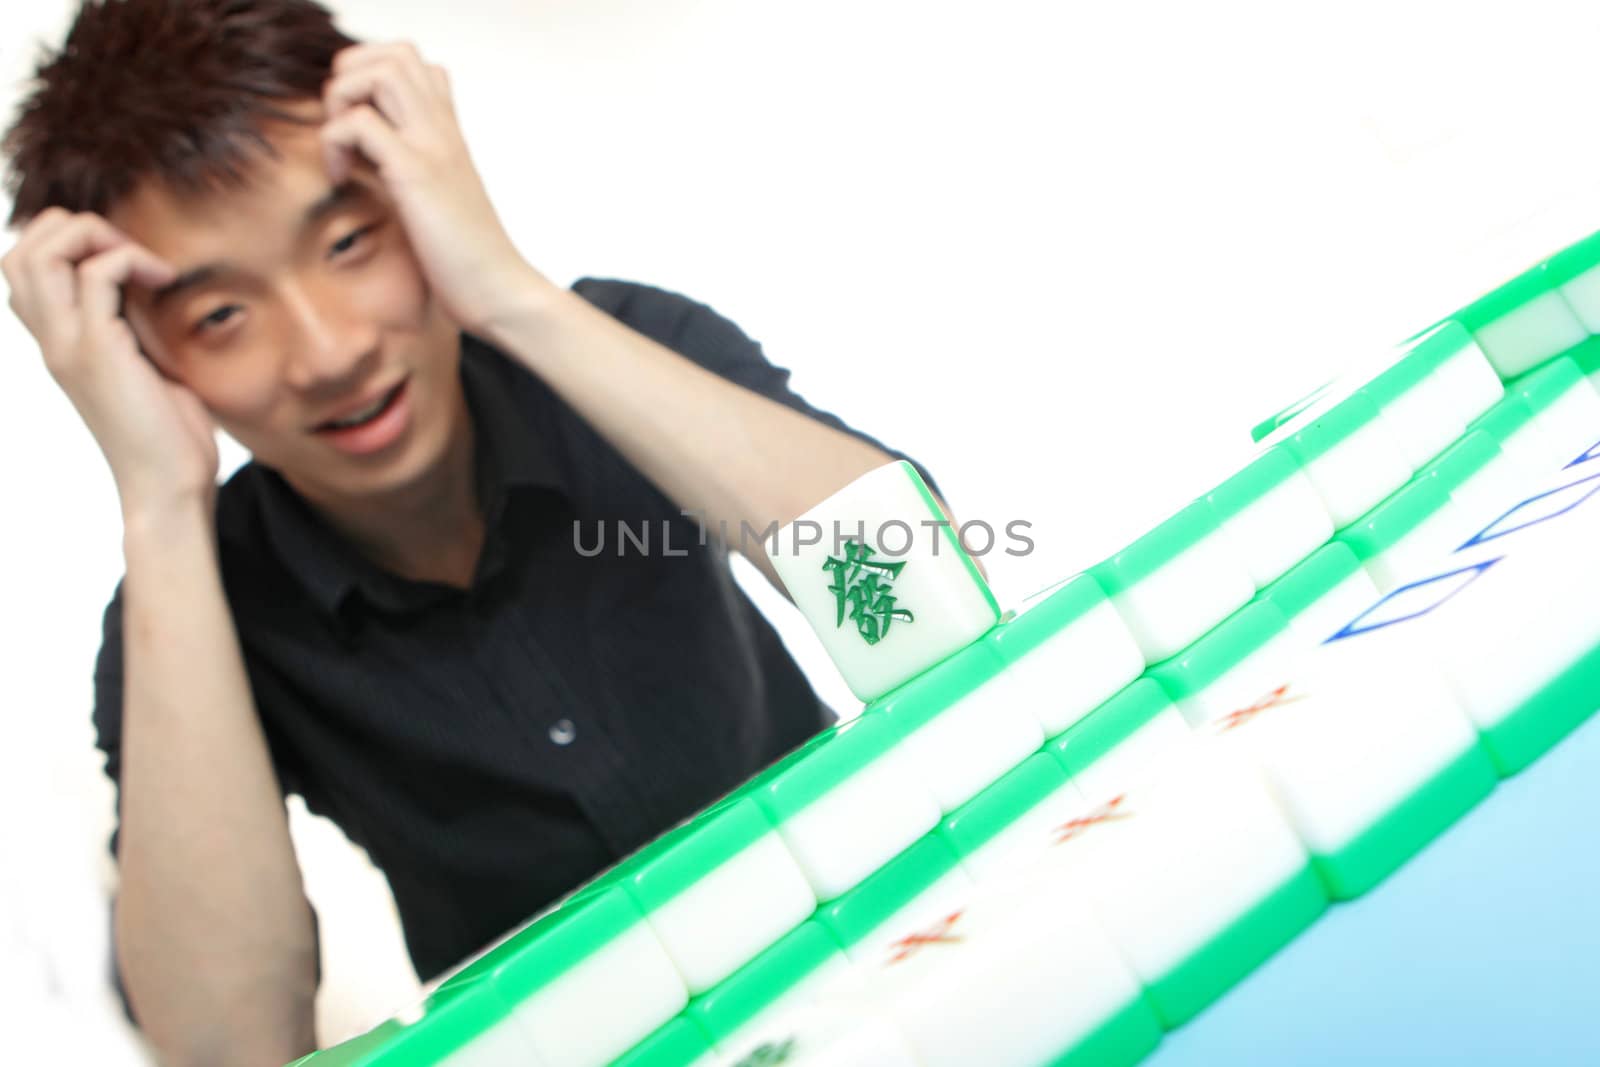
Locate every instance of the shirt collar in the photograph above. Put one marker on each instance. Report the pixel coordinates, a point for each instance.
(508, 456)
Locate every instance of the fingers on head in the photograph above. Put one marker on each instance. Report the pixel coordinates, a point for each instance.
(101, 278)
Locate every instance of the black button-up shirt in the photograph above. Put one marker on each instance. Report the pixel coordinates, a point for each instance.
(490, 748)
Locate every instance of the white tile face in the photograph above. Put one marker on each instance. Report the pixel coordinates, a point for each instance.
(605, 1005)
(973, 742)
(1179, 602)
(1166, 739)
(1529, 589)
(1244, 684)
(1358, 472)
(882, 948)
(1571, 425)
(1487, 494)
(909, 597)
(1538, 600)
(1282, 528)
(1424, 420)
(1338, 606)
(1521, 340)
(1471, 383)
(1030, 961)
(1180, 858)
(1419, 552)
(1531, 449)
(726, 918)
(1077, 669)
(1018, 847)
(1352, 734)
(1582, 295)
(861, 825)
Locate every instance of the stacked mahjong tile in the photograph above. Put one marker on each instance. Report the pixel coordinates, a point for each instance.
(1053, 836)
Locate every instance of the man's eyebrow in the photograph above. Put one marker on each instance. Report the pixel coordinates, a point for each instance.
(319, 209)
(334, 198)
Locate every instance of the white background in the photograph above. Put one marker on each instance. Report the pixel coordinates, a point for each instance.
(1065, 254)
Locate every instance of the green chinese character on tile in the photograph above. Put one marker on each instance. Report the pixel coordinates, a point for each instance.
(864, 589)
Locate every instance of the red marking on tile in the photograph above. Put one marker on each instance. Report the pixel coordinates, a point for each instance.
(938, 933)
(1106, 812)
(1273, 699)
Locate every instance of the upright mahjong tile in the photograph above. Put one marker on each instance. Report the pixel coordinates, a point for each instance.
(1523, 323)
(1195, 873)
(1428, 397)
(1350, 457)
(1067, 653)
(1176, 582)
(1365, 750)
(1002, 832)
(888, 589)
(718, 890)
(877, 921)
(1510, 425)
(1480, 479)
(1023, 975)
(1573, 273)
(1129, 737)
(963, 723)
(1230, 667)
(846, 802)
(1413, 400)
(754, 1006)
(1407, 534)
(1566, 409)
(585, 982)
(466, 1025)
(1271, 514)
(1322, 593)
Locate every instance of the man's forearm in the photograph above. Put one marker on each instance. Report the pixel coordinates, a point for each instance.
(213, 932)
(714, 448)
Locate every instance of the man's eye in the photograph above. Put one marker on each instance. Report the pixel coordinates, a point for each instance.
(348, 241)
(217, 318)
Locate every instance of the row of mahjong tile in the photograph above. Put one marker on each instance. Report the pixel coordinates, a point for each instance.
(886, 611)
(1543, 312)
(1377, 758)
(1259, 507)
(851, 801)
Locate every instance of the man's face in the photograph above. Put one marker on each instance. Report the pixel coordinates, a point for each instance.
(299, 306)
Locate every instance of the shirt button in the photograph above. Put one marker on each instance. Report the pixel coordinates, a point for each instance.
(563, 732)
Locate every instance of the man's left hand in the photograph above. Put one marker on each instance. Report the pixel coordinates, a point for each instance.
(389, 108)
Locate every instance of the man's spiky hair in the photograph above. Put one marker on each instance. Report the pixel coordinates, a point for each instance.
(176, 90)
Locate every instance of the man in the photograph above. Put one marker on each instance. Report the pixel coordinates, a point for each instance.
(235, 216)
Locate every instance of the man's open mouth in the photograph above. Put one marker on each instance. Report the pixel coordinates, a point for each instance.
(368, 414)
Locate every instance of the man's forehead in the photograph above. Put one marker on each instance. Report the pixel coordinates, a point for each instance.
(275, 192)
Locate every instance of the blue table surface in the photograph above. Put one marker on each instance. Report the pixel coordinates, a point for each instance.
(1484, 949)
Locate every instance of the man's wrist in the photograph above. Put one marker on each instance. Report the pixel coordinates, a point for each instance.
(524, 306)
(169, 521)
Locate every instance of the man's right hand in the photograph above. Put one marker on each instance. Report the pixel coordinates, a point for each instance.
(66, 274)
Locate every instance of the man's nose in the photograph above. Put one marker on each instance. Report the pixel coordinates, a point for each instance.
(327, 344)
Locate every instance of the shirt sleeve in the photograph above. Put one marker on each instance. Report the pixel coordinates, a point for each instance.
(695, 331)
